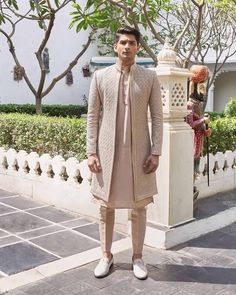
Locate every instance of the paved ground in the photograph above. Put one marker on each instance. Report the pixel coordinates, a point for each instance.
(206, 265)
(32, 234)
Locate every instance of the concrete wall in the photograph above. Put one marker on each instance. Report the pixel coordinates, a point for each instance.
(63, 45)
(225, 87)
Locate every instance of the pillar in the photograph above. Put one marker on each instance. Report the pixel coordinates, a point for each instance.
(174, 203)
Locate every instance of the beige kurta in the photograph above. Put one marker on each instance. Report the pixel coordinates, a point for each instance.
(122, 184)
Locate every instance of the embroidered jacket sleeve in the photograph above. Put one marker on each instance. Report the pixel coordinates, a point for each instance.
(155, 104)
(94, 108)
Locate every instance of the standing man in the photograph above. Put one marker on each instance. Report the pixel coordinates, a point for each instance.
(121, 155)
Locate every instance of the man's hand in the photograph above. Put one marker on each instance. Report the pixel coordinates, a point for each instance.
(151, 164)
(94, 164)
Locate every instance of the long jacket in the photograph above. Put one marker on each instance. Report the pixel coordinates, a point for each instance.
(101, 126)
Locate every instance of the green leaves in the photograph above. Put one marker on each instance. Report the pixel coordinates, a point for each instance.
(2, 20)
(57, 3)
(13, 3)
(230, 108)
(56, 136)
(95, 14)
(223, 135)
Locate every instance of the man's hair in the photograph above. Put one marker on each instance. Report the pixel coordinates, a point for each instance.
(127, 31)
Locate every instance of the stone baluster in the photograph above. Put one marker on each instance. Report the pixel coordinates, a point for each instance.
(33, 163)
(58, 167)
(11, 155)
(229, 158)
(85, 172)
(3, 160)
(72, 169)
(220, 160)
(212, 161)
(22, 162)
(45, 166)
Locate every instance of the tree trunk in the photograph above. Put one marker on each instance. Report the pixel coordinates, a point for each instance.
(38, 101)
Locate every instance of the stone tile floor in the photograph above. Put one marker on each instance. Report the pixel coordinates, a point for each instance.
(206, 265)
(202, 266)
(32, 234)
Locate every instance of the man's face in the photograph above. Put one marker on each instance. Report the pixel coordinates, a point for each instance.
(126, 48)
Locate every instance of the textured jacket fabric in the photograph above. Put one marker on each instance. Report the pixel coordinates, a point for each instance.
(101, 127)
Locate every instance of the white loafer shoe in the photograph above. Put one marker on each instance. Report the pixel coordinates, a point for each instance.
(103, 267)
(139, 269)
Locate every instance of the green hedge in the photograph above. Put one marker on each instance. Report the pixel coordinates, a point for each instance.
(49, 110)
(67, 136)
(216, 115)
(41, 134)
(223, 135)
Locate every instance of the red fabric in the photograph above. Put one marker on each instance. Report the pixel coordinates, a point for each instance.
(197, 123)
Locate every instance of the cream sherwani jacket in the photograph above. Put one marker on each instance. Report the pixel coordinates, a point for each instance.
(101, 127)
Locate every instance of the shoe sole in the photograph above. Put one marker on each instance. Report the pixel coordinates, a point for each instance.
(142, 279)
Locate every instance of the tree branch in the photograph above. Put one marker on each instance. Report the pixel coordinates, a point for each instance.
(153, 30)
(71, 65)
(40, 50)
(143, 43)
(198, 33)
(183, 32)
(13, 53)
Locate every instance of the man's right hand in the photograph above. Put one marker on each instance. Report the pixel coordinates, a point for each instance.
(94, 164)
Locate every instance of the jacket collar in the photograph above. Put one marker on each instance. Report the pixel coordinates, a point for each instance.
(132, 68)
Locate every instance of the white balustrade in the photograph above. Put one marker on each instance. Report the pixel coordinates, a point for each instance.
(32, 166)
(51, 180)
(222, 173)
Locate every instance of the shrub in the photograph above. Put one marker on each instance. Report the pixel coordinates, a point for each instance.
(49, 110)
(223, 136)
(41, 134)
(216, 115)
(230, 108)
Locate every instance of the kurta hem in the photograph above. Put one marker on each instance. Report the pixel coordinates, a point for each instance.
(137, 204)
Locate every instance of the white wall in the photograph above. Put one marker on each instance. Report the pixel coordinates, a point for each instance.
(63, 45)
(225, 87)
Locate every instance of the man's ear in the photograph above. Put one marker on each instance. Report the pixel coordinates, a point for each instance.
(115, 47)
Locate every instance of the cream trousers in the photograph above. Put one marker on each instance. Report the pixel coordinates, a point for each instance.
(106, 227)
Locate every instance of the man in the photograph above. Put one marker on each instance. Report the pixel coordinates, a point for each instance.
(120, 154)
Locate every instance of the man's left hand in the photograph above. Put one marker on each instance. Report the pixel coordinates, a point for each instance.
(151, 164)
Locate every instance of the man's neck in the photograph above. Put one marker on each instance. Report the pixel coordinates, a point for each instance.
(125, 65)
